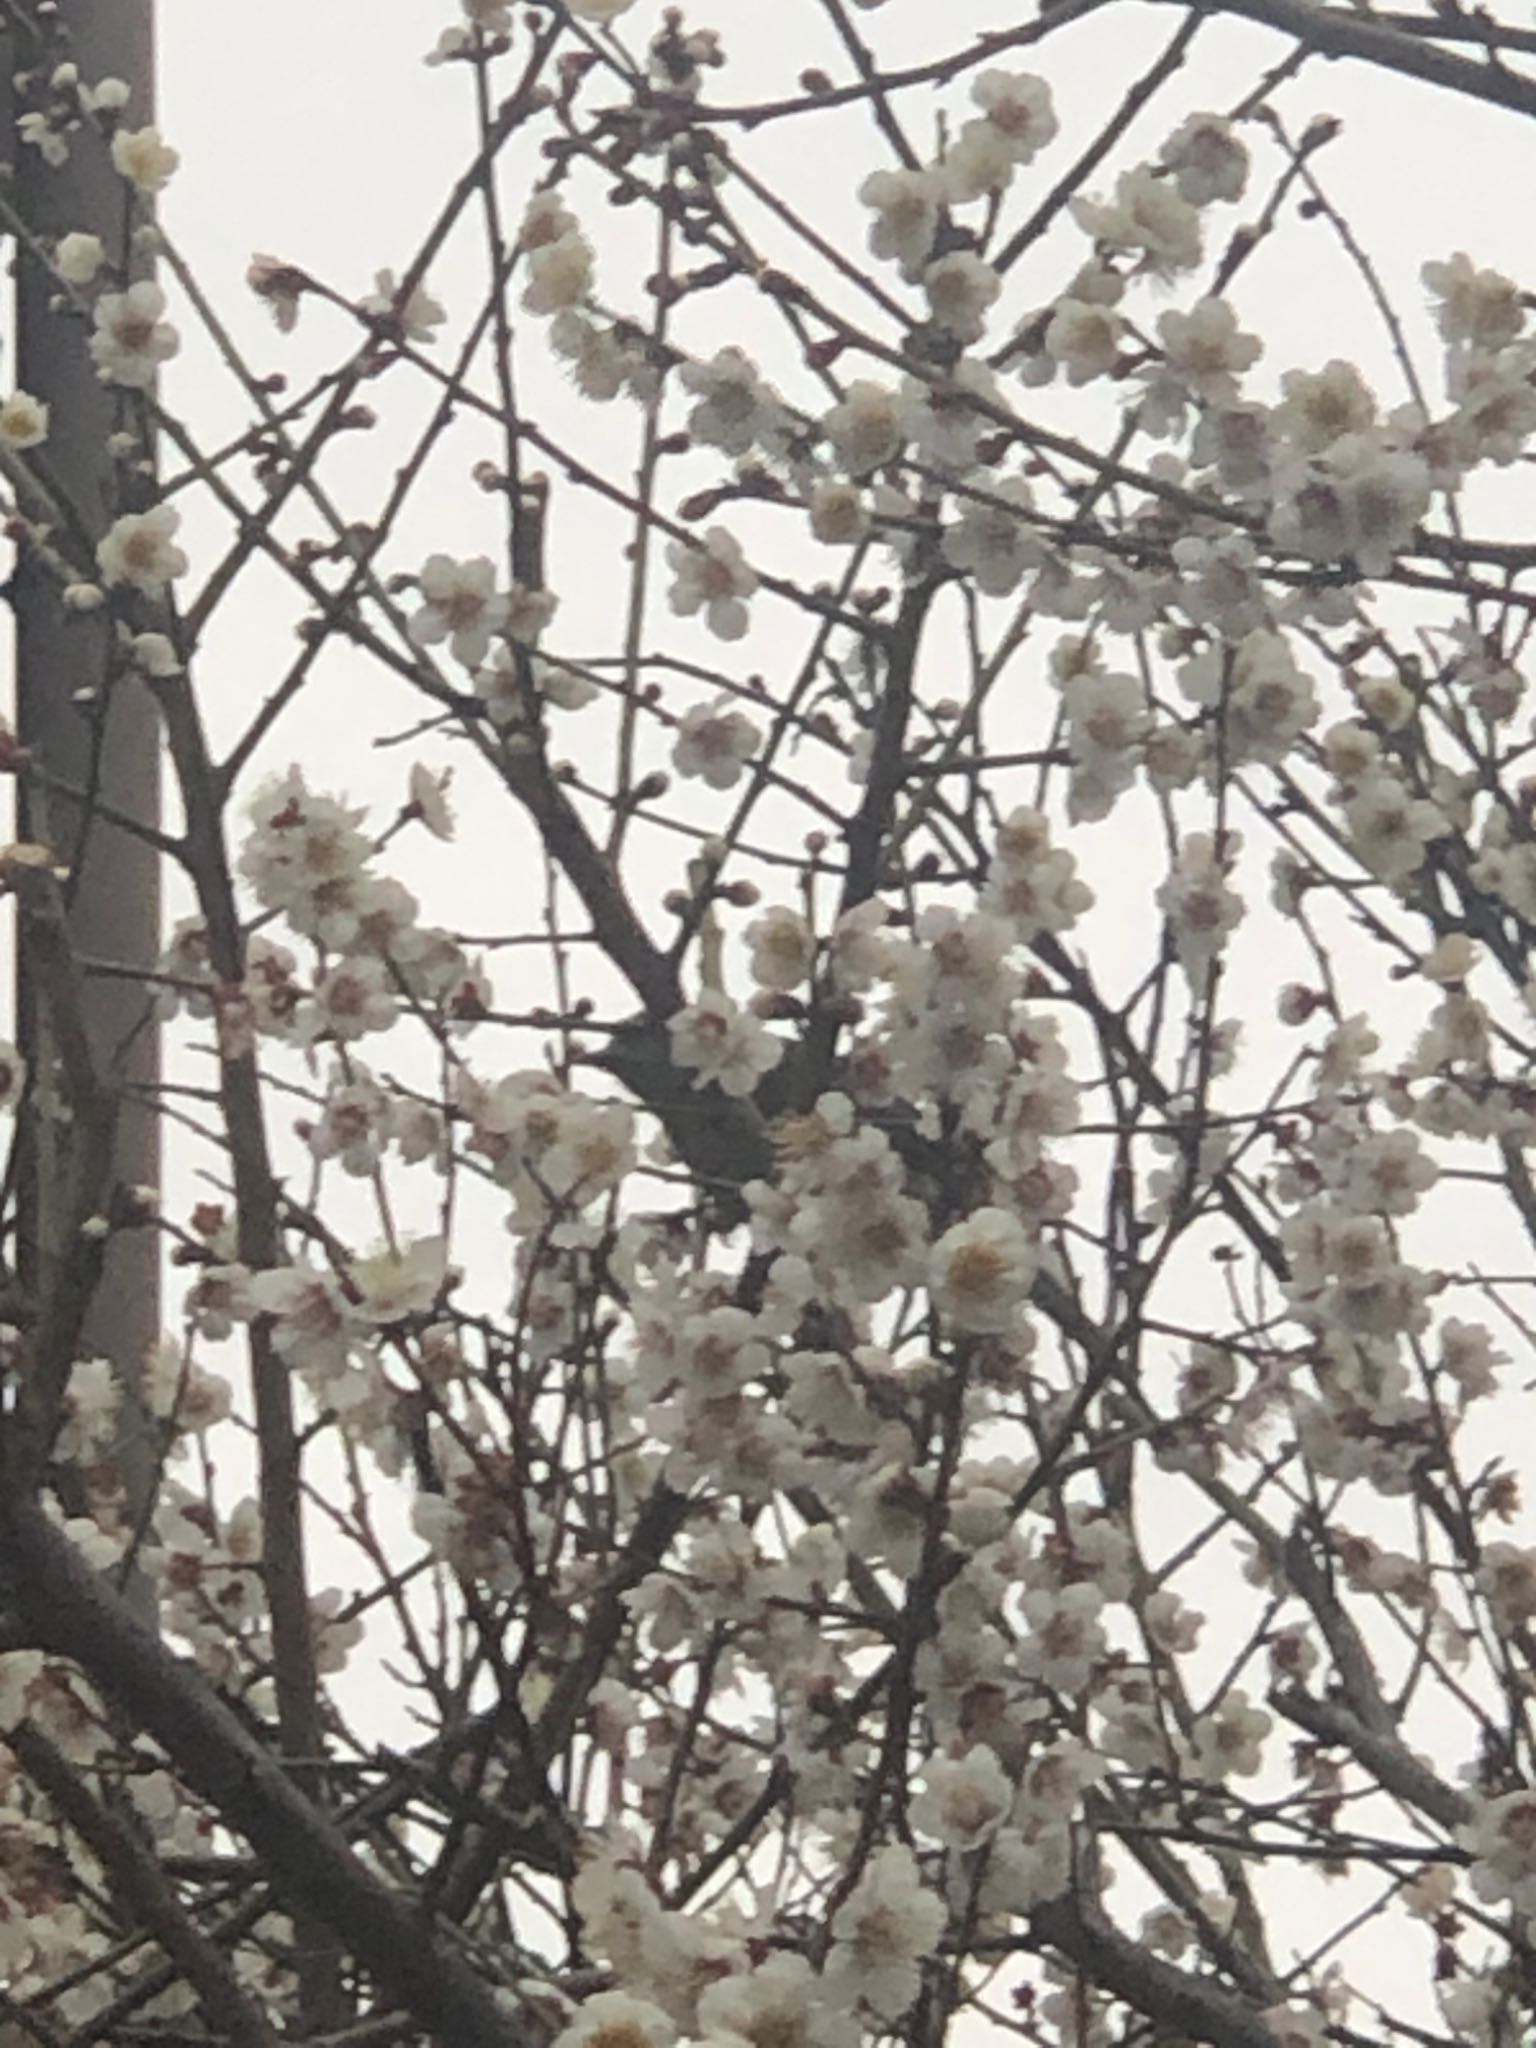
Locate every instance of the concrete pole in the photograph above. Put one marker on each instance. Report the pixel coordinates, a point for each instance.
(107, 739)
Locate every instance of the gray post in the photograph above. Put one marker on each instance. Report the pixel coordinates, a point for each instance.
(107, 742)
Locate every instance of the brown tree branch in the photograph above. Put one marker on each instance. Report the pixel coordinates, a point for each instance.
(1186, 2006)
(1383, 1754)
(71, 1611)
(143, 1886)
(1336, 33)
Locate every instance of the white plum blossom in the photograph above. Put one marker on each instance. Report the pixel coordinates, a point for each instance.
(1507, 1580)
(1064, 1642)
(982, 1270)
(428, 800)
(353, 1126)
(399, 1281)
(714, 743)
(945, 418)
(1084, 339)
(848, 1216)
(304, 852)
(556, 683)
(419, 317)
(1171, 1625)
(1208, 159)
(23, 421)
(529, 612)
(615, 2019)
(312, 1326)
(353, 998)
(1319, 407)
(39, 131)
(559, 274)
(458, 39)
(721, 1043)
(94, 1403)
(1495, 402)
(466, 1525)
(1201, 907)
(337, 1632)
(1208, 349)
(546, 218)
(78, 257)
(548, 1144)
(1309, 515)
(782, 949)
(1501, 1837)
(140, 549)
(1264, 699)
(1107, 721)
(1382, 1172)
(1482, 308)
(1134, 1730)
(1148, 218)
(1383, 493)
(279, 286)
(460, 605)
(131, 340)
(1018, 105)
(964, 1800)
(992, 539)
(882, 1934)
(960, 289)
(1389, 827)
(1469, 1356)
(779, 2002)
(1451, 959)
(1229, 1741)
(601, 362)
(140, 156)
(980, 161)
(1237, 442)
(19, 1672)
(839, 516)
(906, 208)
(155, 654)
(1432, 1892)
(713, 577)
(859, 950)
(735, 409)
(866, 427)
(1032, 884)
(106, 96)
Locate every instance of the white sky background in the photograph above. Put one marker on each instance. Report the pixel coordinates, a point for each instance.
(310, 130)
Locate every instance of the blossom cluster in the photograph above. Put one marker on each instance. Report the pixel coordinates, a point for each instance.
(785, 1390)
